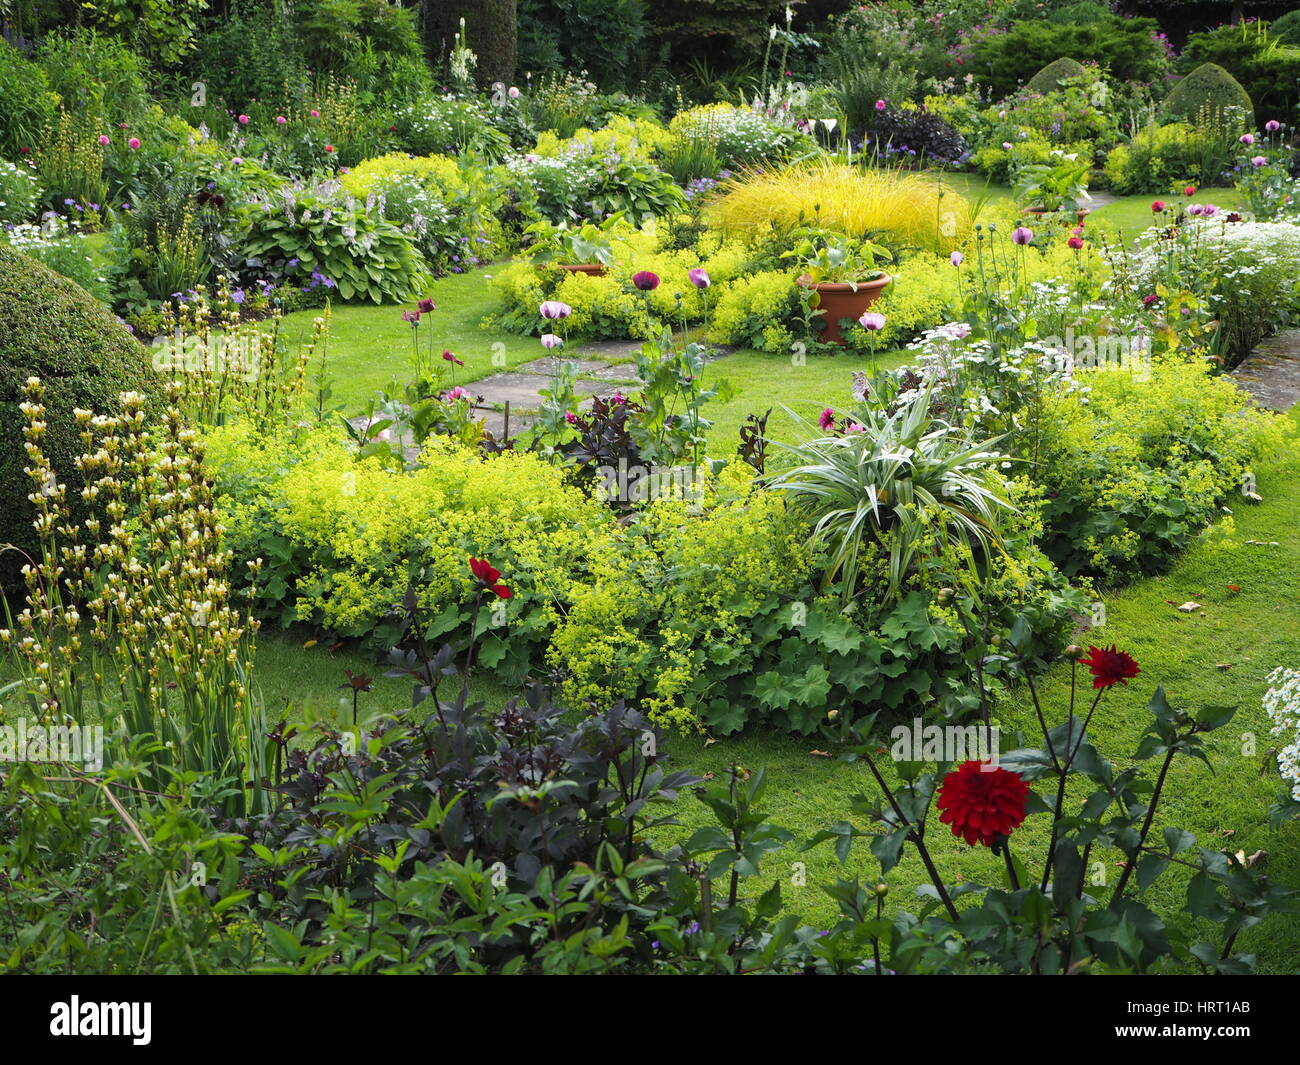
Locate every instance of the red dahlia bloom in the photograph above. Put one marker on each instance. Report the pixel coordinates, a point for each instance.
(1109, 666)
(980, 804)
(490, 576)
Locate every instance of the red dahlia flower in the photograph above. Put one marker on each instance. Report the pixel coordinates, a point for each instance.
(490, 576)
(980, 804)
(1109, 666)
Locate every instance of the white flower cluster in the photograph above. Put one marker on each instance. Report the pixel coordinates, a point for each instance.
(19, 191)
(1282, 704)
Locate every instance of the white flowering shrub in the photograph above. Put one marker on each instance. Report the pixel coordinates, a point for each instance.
(1282, 704)
(738, 135)
(19, 193)
(1248, 272)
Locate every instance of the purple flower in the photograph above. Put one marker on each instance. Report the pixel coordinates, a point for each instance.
(1247, 138)
(550, 341)
(238, 296)
(1022, 235)
(872, 322)
(645, 280)
(411, 316)
(827, 419)
(554, 309)
(447, 356)
(880, 105)
(1272, 125)
(427, 306)
(699, 278)
(1258, 161)
(956, 258)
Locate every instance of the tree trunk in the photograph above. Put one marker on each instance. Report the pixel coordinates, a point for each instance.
(491, 27)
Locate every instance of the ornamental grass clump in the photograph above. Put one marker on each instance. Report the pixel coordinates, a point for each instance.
(897, 208)
(129, 620)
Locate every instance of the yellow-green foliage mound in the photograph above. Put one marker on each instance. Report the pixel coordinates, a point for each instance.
(898, 208)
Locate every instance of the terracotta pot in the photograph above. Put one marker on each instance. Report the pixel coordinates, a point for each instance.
(839, 300)
(590, 269)
(1039, 212)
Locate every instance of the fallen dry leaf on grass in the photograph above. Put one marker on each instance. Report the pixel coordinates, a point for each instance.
(821, 754)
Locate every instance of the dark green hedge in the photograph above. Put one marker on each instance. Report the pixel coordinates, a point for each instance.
(53, 329)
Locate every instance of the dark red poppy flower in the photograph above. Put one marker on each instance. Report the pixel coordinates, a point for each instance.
(447, 356)
(645, 280)
(980, 802)
(1109, 666)
(490, 576)
(427, 306)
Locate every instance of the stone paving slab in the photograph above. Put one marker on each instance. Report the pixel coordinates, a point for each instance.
(546, 366)
(1271, 373)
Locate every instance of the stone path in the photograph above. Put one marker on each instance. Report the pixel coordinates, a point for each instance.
(1271, 373)
(604, 367)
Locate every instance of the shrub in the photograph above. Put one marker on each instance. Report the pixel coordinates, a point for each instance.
(1267, 67)
(1050, 78)
(1286, 28)
(29, 106)
(1209, 89)
(1159, 156)
(447, 125)
(96, 75)
(915, 136)
(1126, 48)
(1137, 466)
(50, 328)
(342, 537)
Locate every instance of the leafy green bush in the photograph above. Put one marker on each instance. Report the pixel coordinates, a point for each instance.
(1139, 465)
(1286, 28)
(1126, 48)
(342, 538)
(1049, 79)
(1159, 156)
(96, 75)
(312, 235)
(1209, 89)
(28, 103)
(50, 328)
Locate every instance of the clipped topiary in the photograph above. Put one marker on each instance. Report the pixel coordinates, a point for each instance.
(53, 329)
(1049, 79)
(1208, 88)
(1287, 27)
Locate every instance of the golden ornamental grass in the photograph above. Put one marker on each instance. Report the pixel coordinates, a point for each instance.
(899, 208)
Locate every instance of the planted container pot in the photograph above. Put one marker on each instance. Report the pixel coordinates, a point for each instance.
(1043, 212)
(590, 269)
(840, 299)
